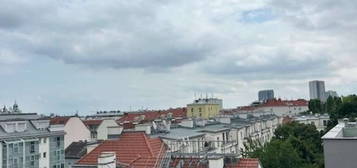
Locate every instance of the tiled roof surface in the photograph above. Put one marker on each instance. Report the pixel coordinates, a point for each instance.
(245, 163)
(188, 163)
(59, 120)
(133, 148)
(92, 122)
(152, 115)
(76, 150)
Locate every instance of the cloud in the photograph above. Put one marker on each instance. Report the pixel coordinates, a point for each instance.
(250, 39)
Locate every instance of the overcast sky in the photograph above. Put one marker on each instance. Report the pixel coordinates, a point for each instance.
(67, 55)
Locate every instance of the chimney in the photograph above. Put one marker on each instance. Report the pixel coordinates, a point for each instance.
(216, 162)
(345, 121)
(107, 160)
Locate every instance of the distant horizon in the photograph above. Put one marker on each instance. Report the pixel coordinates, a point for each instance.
(92, 112)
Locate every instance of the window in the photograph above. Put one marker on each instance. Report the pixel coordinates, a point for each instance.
(58, 142)
(44, 154)
(32, 161)
(44, 140)
(16, 148)
(192, 110)
(32, 147)
(15, 163)
(200, 109)
(325, 122)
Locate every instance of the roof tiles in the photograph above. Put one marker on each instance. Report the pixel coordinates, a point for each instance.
(133, 148)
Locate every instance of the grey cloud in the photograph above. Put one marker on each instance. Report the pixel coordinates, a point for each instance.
(116, 34)
(164, 34)
(319, 15)
(274, 64)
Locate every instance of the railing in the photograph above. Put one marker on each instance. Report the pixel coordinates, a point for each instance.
(201, 147)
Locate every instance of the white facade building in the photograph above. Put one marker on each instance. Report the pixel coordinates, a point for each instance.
(74, 128)
(320, 121)
(340, 145)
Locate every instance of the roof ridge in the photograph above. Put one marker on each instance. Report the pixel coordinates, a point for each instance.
(148, 144)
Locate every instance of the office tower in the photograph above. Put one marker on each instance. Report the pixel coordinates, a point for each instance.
(265, 95)
(317, 90)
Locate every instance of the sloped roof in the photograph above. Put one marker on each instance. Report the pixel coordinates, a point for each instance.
(152, 115)
(189, 162)
(133, 148)
(92, 122)
(279, 102)
(59, 120)
(246, 163)
(76, 150)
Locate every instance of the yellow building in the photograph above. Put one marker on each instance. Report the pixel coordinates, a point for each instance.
(204, 108)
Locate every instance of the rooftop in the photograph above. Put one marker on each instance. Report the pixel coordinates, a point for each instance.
(152, 115)
(344, 131)
(132, 148)
(59, 120)
(92, 122)
(76, 150)
(245, 163)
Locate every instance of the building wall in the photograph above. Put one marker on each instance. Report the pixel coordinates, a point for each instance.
(44, 152)
(284, 110)
(317, 90)
(264, 95)
(203, 110)
(340, 153)
(75, 131)
(1, 154)
(56, 155)
(102, 130)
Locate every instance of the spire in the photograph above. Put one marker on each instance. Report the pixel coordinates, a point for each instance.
(15, 108)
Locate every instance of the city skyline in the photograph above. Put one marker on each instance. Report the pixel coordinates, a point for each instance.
(60, 57)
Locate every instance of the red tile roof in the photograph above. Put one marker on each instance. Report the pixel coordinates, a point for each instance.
(279, 102)
(269, 103)
(92, 122)
(287, 120)
(133, 148)
(188, 163)
(245, 163)
(152, 115)
(59, 120)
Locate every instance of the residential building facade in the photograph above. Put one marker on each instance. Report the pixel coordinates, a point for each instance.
(204, 108)
(74, 128)
(340, 145)
(30, 144)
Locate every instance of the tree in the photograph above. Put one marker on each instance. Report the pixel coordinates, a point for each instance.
(293, 145)
(315, 106)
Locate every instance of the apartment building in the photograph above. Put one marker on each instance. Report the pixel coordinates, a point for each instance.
(320, 121)
(103, 129)
(204, 108)
(224, 135)
(273, 106)
(340, 145)
(27, 141)
(74, 128)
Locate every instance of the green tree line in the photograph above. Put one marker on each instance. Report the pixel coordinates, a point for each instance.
(296, 145)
